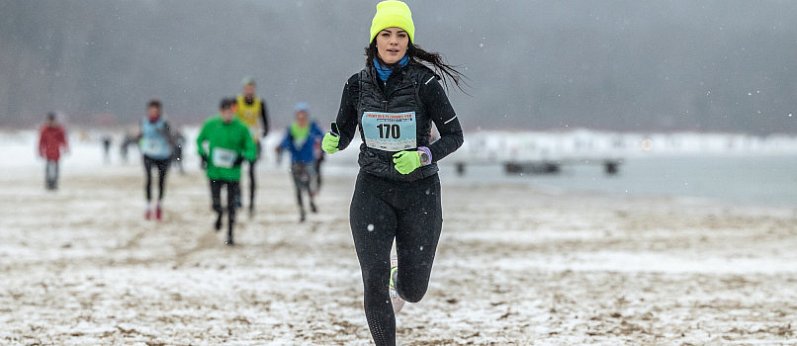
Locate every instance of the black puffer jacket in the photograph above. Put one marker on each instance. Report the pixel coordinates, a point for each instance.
(413, 88)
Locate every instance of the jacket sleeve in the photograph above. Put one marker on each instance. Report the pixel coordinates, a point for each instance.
(316, 132)
(442, 114)
(264, 117)
(287, 141)
(347, 113)
(64, 143)
(41, 141)
(168, 134)
(140, 131)
(200, 141)
(249, 151)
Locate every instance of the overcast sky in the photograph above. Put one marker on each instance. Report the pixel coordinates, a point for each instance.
(618, 65)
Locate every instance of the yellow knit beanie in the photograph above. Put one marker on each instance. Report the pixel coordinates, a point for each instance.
(392, 14)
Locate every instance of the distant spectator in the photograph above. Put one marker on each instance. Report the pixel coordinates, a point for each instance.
(106, 148)
(52, 142)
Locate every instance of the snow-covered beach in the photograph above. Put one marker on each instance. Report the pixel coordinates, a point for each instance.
(516, 265)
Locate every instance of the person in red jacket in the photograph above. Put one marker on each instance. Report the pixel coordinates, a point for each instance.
(52, 142)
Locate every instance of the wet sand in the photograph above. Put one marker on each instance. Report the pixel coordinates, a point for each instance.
(515, 265)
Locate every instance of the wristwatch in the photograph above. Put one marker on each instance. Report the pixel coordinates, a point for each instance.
(426, 155)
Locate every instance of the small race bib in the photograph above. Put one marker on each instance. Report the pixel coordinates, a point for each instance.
(224, 158)
(389, 131)
(153, 147)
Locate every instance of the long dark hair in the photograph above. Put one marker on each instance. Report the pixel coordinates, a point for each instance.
(443, 70)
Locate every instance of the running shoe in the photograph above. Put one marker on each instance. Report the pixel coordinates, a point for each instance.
(217, 225)
(313, 208)
(158, 213)
(397, 301)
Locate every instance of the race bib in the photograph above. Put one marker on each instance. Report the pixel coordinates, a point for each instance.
(153, 147)
(389, 131)
(224, 158)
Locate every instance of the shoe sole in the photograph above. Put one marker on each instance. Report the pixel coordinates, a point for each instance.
(395, 299)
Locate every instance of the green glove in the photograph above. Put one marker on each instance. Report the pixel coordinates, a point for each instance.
(330, 143)
(407, 161)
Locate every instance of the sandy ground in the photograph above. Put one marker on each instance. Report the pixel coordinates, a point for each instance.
(515, 266)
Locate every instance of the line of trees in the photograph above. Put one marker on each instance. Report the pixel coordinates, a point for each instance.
(622, 65)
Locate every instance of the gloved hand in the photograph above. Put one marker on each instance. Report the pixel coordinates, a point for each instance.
(204, 164)
(238, 161)
(330, 143)
(407, 161)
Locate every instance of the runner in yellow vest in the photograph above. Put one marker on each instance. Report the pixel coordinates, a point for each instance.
(250, 109)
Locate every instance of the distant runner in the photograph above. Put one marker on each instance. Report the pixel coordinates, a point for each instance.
(302, 138)
(251, 110)
(229, 144)
(156, 144)
(177, 157)
(128, 140)
(52, 143)
(107, 140)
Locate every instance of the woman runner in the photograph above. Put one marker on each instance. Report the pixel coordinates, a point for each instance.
(156, 143)
(395, 100)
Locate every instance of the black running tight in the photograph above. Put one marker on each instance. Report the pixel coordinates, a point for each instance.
(409, 212)
(163, 168)
(233, 193)
(304, 182)
(252, 179)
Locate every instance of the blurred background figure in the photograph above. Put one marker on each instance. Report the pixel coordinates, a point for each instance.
(302, 138)
(52, 142)
(156, 143)
(177, 157)
(320, 156)
(229, 144)
(124, 148)
(106, 148)
(250, 109)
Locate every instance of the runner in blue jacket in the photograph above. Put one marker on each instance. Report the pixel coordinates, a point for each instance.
(302, 139)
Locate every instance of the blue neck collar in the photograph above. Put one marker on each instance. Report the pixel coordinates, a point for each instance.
(385, 71)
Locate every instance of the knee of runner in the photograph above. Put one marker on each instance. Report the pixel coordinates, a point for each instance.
(411, 289)
(376, 280)
(411, 294)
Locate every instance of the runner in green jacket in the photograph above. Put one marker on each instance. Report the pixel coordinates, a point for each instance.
(228, 145)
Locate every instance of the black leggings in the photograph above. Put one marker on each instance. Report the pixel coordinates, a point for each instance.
(317, 165)
(252, 178)
(233, 193)
(163, 168)
(304, 180)
(409, 212)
